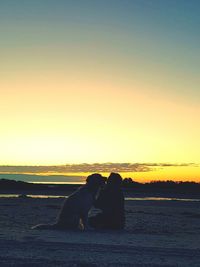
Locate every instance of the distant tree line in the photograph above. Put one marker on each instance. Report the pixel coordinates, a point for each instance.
(162, 186)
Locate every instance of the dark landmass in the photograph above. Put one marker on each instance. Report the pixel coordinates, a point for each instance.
(169, 189)
(20, 187)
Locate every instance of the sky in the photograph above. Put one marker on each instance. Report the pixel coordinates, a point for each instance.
(101, 81)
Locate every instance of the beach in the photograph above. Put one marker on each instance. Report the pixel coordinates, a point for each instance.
(157, 233)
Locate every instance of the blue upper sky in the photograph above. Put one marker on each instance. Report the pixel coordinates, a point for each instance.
(159, 33)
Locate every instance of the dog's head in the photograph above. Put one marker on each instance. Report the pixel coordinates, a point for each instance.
(95, 180)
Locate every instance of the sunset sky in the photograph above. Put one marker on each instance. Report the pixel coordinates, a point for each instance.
(101, 81)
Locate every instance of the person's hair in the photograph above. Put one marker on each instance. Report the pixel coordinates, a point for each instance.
(114, 180)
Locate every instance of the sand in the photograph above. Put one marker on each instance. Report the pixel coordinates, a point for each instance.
(157, 233)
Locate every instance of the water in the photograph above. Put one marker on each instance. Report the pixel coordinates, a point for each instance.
(58, 183)
(162, 199)
(127, 198)
(29, 196)
(44, 178)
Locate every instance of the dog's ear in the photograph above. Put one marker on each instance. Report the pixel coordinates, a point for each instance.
(95, 180)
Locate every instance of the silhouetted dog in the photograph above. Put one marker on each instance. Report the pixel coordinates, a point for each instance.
(76, 207)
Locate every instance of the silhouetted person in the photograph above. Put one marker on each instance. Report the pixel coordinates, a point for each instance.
(111, 203)
(76, 207)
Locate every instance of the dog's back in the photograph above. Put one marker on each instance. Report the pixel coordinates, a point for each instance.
(76, 206)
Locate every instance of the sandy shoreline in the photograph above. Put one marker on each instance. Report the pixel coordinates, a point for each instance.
(157, 233)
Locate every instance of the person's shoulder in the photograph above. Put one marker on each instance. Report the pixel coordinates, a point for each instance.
(119, 193)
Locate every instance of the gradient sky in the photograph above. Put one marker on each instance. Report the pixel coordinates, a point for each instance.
(100, 81)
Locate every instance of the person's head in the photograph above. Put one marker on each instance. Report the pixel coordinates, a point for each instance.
(94, 181)
(114, 180)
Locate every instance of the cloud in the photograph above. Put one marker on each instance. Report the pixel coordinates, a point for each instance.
(171, 164)
(95, 167)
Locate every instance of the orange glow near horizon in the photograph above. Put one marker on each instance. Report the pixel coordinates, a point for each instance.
(182, 173)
